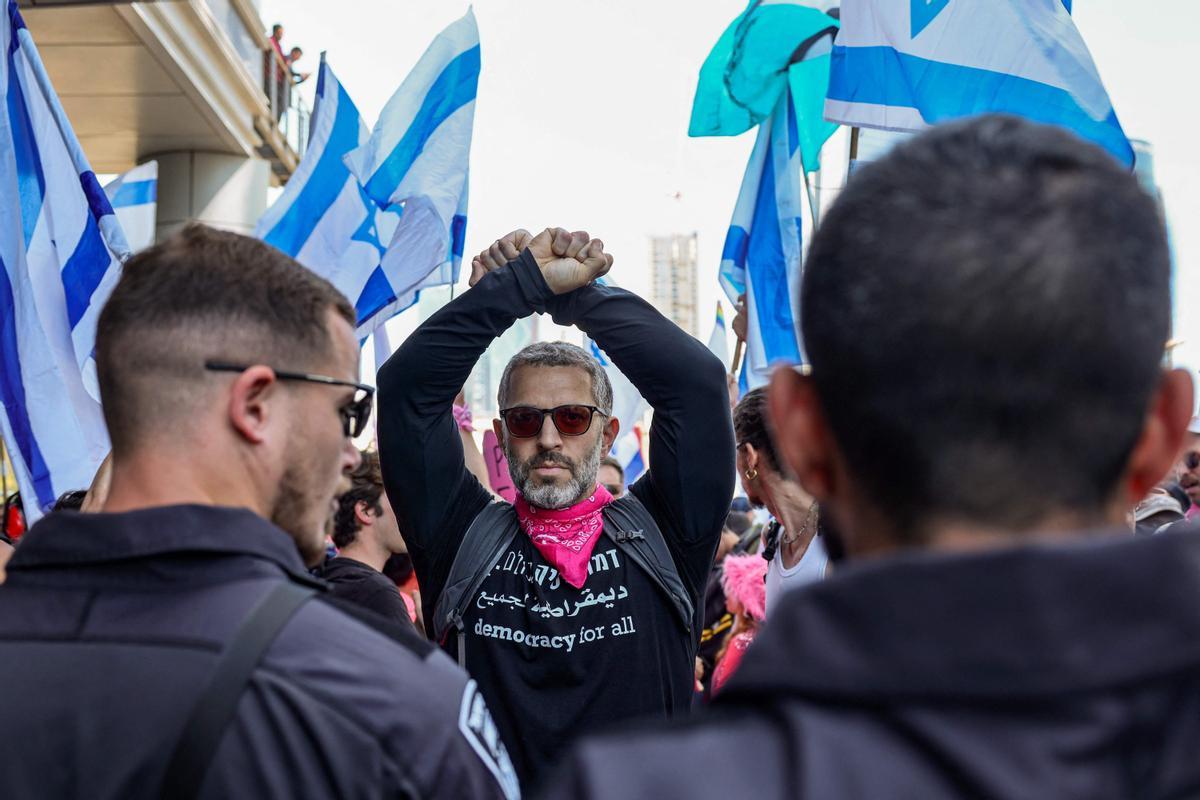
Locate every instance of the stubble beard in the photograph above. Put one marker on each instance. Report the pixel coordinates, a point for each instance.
(554, 495)
(293, 512)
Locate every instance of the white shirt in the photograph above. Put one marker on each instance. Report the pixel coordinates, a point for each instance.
(809, 569)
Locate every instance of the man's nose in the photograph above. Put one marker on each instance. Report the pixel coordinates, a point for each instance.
(351, 457)
(549, 438)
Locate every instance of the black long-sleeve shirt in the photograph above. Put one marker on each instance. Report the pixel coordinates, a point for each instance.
(552, 661)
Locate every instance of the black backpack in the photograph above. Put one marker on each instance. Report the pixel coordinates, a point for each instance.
(626, 521)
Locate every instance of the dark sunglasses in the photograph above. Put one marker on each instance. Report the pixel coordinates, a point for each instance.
(1192, 459)
(526, 421)
(354, 414)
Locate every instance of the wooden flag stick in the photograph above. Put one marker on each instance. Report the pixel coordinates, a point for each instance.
(737, 357)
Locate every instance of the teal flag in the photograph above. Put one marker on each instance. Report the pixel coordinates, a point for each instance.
(769, 46)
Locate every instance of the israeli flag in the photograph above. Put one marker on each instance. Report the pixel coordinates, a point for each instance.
(907, 65)
(134, 197)
(417, 158)
(325, 220)
(60, 253)
(628, 407)
(627, 450)
(718, 340)
(763, 253)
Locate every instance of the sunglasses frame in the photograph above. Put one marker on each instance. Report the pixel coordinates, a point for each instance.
(354, 417)
(549, 412)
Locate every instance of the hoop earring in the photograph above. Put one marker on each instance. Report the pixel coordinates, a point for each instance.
(751, 474)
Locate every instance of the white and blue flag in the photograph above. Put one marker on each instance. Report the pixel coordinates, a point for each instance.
(628, 407)
(627, 450)
(763, 253)
(325, 220)
(417, 158)
(906, 65)
(60, 253)
(134, 197)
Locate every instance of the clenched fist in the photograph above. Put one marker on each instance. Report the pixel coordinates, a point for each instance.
(568, 260)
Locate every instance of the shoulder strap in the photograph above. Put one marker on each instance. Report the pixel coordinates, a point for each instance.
(217, 704)
(490, 533)
(637, 533)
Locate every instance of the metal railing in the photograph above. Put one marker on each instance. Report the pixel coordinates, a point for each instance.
(289, 114)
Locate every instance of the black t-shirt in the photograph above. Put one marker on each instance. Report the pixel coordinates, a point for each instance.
(581, 662)
(555, 662)
(364, 586)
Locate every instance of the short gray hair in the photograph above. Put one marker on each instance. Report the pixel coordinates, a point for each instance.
(559, 354)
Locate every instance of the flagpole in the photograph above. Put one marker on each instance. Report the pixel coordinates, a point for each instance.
(737, 357)
(812, 202)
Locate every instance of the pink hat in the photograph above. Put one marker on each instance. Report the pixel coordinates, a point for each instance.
(744, 579)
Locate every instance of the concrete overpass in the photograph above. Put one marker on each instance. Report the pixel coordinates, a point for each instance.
(181, 81)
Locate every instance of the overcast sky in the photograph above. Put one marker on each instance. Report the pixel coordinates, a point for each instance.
(581, 119)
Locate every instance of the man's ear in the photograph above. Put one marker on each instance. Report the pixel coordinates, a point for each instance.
(252, 399)
(609, 434)
(1162, 435)
(801, 434)
(498, 428)
(363, 513)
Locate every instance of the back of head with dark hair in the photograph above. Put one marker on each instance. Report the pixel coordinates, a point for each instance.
(366, 486)
(750, 425)
(203, 294)
(985, 310)
(610, 461)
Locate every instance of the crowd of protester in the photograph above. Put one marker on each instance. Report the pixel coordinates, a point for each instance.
(961, 565)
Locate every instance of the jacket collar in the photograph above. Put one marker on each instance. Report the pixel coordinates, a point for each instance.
(1030, 620)
(73, 539)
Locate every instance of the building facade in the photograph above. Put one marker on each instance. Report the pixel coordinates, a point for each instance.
(674, 289)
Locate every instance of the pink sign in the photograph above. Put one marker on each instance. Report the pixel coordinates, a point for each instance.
(497, 467)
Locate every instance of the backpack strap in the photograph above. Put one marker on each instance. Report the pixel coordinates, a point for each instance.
(490, 534)
(217, 704)
(629, 523)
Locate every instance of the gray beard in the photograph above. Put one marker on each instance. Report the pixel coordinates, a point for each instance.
(548, 495)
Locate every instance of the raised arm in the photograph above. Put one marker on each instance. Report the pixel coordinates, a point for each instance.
(434, 495)
(691, 438)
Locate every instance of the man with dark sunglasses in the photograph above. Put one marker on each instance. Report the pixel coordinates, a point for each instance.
(573, 610)
(175, 645)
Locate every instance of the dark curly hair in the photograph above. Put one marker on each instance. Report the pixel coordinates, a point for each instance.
(750, 425)
(366, 486)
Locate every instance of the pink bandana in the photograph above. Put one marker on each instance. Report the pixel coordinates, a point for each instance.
(566, 536)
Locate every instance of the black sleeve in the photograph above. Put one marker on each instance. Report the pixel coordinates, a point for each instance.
(433, 494)
(690, 482)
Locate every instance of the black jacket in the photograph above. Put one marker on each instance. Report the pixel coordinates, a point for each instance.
(365, 586)
(109, 628)
(1034, 672)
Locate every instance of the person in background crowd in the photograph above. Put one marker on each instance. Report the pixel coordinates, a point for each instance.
(1158, 511)
(792, 542)
(294, 55)
(546, 601)
(718, 619)
(229, 379)
(6, 551)
(742, 580)
(1187, 471)
(612, 476)
(742, 525)
(985, 310)
(366, 535)
(278, 75)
